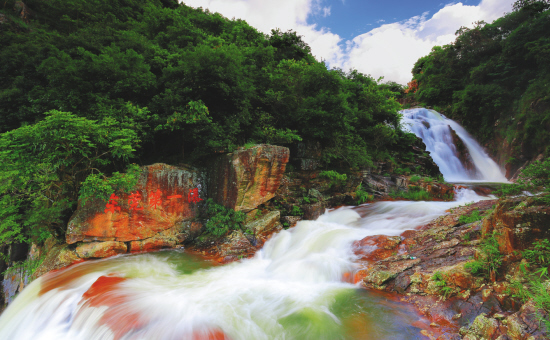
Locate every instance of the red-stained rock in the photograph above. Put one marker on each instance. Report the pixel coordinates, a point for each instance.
(244, 179)
(374, 248)
(153, 243)
(517, 223)
(166, 201)
(100, 249)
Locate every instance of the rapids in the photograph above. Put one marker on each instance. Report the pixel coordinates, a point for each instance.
(291, 289)
(297, 286)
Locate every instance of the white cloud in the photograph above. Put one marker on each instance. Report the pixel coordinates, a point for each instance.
(390, 50)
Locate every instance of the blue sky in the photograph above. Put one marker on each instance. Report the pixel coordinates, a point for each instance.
(381, 38)
(350, 18)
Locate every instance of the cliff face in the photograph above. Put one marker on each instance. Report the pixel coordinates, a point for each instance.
(244, 179)
(165, 198)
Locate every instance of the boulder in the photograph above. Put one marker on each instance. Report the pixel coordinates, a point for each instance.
(378, 247)
(164, 198)
(462, 153)
(517, 223)
(244, 179)
(265, 223)
(236, 244)
(100, 249)
(153, 243)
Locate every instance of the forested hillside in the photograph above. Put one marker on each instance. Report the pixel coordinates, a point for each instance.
(495, 80)
(89, 87)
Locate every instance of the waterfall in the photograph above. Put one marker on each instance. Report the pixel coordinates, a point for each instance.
(436, 132)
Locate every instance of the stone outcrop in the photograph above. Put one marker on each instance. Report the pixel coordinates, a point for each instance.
(517, 223)
(244, 179)
(462, 153)
(163, 204)
(100, 249)
(426, 268)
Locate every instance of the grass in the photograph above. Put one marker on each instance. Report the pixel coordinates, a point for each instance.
(489, 261)
(473, 217)
(536, 285)
(415, 193)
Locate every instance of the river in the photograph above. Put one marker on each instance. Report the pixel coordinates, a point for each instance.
(296, 287)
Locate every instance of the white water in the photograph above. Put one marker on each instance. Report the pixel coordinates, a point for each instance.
(296, 276)
(433, 129)
(288, 290)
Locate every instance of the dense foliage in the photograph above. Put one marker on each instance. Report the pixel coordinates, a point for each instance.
(494, 79)
(88, 87)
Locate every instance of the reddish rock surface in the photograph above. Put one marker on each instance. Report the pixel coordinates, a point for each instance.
(153, 243)
(244, 179)
(100, 249)
(374, 248)
(517, 223)
(166, 201)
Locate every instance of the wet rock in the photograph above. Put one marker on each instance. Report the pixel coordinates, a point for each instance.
(463, 154)
(313, 211)
(153, 243)
(164, 198)
(383, 272)
(525, 323)
(290, 221)
(15, 279)
(58, 256)
(244, 179)
(379, 247)
(100, 249)
(265, 224)
(483, 327)
(235, 243)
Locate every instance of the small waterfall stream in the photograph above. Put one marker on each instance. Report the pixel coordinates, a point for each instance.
(435, 130)
(294, 288)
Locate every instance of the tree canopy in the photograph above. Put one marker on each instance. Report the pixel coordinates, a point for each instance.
(494, 79)
(88, 87)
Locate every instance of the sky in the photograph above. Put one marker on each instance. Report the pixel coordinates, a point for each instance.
(381, 38)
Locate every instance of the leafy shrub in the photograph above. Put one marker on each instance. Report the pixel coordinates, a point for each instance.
(473, 217)
(334, 177)
(490, 259)
(362, 196)
(415, 193)
(221, 220)
(414, 178)
(100, 186)
(536, 287)
(440, 282)
(296, 211)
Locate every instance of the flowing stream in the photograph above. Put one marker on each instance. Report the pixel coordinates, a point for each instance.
(296, 287)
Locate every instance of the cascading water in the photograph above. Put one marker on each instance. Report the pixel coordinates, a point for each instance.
(294, 288)
(435, 130)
